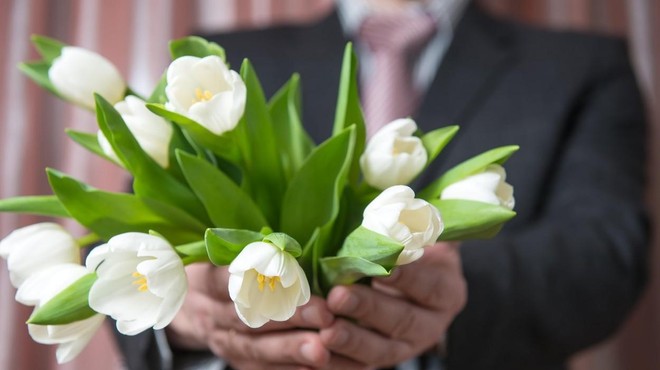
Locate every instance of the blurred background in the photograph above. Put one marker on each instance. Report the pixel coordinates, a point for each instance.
(134, 33)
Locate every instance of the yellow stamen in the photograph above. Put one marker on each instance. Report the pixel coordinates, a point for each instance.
(202, 95)
(140, 281)
(271, 280)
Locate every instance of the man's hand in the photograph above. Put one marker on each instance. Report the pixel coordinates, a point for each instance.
(208, 320)
(401, 316)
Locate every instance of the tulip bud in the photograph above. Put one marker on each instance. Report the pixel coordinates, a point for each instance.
(393, 155)
(79, 73)
(396, 213)
(151, 131)
(36, 247)
(488, 186)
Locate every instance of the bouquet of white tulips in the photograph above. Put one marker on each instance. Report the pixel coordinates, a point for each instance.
(222, 175)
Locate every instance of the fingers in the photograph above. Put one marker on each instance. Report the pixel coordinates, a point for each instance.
(434, 281)
(284, 348)
(393, 317)
(363, 346)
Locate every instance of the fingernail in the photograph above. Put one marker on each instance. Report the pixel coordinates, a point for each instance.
(340, 337)
(350, 302)
(307, 352)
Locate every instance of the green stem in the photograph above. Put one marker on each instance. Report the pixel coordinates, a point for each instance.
(87, 240)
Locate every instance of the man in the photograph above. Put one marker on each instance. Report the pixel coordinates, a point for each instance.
(560, 277)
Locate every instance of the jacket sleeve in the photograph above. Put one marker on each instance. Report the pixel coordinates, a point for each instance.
(565, 281)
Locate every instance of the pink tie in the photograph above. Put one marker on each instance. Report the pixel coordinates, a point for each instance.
(395, 41)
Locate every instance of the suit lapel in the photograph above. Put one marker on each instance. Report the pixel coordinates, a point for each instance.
(479, 53)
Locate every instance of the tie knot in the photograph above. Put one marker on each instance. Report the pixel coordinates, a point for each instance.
(397, 33)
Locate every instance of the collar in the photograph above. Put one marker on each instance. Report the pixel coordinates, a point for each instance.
(447, 13)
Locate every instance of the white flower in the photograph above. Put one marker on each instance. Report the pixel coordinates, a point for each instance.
(41, 287)
(393, 155)
(396, 213)
(152, 132)
(36, 247)
(266, 283)
(206, 91)
(79, 73)
(488, 186)
(141, 282)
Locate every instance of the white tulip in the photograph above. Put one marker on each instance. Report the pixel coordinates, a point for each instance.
(36, 247)
(151, 131)
(41, 287)
(393, 155)
(489, 186)
(206, 91)
(141, 281)
(78, 73)
(266, 283)
(396, 213)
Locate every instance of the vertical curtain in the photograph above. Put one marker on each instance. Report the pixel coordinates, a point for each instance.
(133, 35)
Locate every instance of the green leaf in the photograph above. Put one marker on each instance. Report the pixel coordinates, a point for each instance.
(467, 219)
(223, 145)
(285, 243)
(48, 48)
(68, 306)
(44, 205)
(470, 167)
(436, 140)
(195, 46)
(193, 252)
(293, 143)
(345, 270)
(348, 110)
(264, 176)
(89, 142)
(313, 196)
(150, 179)
(371, 246)
(158, 95)
(226, 203)
(108, 214)
(223, 245)
(38, 72)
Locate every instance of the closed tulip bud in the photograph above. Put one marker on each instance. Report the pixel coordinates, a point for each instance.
(393, 156)
(79, 73)
(152, 132)
(33, 248)
(489, 186)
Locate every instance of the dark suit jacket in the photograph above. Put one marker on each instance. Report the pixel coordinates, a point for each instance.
(564, 273)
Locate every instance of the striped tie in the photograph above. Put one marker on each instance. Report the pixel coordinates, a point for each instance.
(395, 41)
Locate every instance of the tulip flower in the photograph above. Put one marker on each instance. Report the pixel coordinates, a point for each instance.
(152, 132)
(206, 91)
(141, 281)
(266, 283)
(396, 213)
(393, 156)
(488, 186)
(78, 73)
(41, 287)
(36, 247)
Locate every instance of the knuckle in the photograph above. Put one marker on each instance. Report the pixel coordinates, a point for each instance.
(404, 326)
